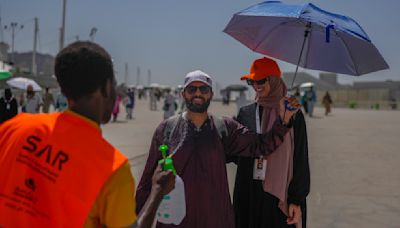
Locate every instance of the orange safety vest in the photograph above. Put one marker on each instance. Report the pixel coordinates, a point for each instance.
(52, 167)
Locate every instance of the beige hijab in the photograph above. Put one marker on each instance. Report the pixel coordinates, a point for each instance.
(279, 171)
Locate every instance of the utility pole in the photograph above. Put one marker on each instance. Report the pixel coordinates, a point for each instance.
(62, 29)
(148, 77)
(1, 31)
(13, 27)
(138, 76)
(35, 34)
(126, 74)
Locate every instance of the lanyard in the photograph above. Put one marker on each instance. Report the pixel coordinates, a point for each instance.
(260, 164)
(258, 123)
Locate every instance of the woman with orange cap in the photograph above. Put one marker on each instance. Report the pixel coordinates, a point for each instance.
(271, 191)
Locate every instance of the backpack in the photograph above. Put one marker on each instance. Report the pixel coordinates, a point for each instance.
(169, 129)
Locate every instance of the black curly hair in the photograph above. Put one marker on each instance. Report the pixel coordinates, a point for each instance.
(81, 68)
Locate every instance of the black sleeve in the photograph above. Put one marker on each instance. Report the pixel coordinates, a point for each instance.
(14, 107)
(299, 187)
(1, 110)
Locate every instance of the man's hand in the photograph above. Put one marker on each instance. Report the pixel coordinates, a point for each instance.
(293, 107)
(294, 214)
(163, 181)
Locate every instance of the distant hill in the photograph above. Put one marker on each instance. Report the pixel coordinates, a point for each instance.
(23, 62)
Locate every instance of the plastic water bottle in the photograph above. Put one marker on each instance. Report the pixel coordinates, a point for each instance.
(172, 209)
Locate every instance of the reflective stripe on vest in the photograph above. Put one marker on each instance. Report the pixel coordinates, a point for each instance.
(52, 167)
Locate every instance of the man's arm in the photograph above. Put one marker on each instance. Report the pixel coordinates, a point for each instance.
(243, 142)
(115, 205)
(145, 184)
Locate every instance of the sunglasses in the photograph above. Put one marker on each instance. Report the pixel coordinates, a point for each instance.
(257, 82)
(193, 89)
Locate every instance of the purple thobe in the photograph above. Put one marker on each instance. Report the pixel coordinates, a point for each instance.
(200, 162)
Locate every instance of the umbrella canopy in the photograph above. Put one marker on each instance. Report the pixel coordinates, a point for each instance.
(307, 85)
(154, 85)
(22, 83)
(236, 87)
(307, 36)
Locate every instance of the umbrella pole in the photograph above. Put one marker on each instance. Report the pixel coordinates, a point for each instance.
(308, 26)
(301, 52)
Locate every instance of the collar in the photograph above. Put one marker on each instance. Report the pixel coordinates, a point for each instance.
(206, 122)
(84, 118)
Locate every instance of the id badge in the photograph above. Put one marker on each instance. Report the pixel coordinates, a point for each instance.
(260, 166)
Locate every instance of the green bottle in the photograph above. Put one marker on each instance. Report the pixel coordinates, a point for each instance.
(167, 162)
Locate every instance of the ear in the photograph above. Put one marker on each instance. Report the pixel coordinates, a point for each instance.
(106, 88)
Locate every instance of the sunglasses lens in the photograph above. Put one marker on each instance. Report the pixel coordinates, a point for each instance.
(250, 82)
(261, 82)
(193, 89)
(204, 89)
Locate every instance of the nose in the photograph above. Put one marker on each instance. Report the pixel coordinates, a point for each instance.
(256, 86)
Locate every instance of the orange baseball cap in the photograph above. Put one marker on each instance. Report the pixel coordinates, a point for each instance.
(262, 68)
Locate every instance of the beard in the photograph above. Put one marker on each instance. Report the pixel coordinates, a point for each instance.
(197, 108)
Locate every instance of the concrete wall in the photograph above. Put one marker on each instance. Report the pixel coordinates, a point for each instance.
(361, 98)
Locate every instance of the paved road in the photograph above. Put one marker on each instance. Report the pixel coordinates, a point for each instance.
(354, 159)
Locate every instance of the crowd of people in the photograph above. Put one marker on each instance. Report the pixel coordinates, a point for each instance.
(30, 101)
(57, 170)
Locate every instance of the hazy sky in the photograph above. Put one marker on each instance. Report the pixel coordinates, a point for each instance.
(173, 37)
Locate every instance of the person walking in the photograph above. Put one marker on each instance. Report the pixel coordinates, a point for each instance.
(130, 103)
(153, 99)
(57, 170)
(61, 103)
(270, 191)
(48, 100)
(8, 106)
(304, 102)
(32, 102)
(311, 98)
(170, 105)
(115, 111)
(327, 102)
(199, 143)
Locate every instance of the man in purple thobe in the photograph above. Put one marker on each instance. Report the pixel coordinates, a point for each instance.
(200, 152)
